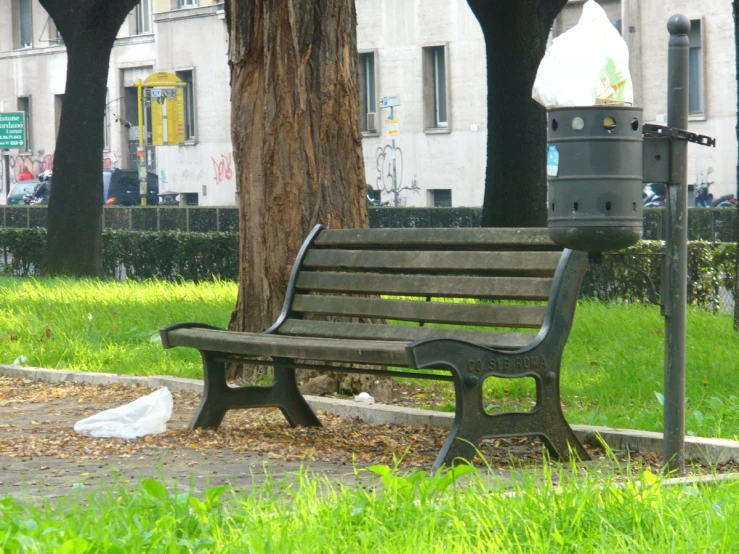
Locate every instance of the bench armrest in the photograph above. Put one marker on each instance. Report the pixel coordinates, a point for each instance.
(164, 331)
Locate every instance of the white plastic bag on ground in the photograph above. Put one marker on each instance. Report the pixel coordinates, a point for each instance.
(147, 415)
(364, 397)
(587, 65)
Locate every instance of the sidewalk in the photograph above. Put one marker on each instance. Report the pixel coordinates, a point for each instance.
(41, 456)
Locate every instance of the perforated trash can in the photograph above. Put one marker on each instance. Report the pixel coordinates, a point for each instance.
(594, 170)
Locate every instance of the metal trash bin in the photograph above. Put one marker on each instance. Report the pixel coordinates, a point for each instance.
(594, 170)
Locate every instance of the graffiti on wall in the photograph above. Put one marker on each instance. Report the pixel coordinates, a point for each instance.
(111, 161)
(222, 168)
(35, 164)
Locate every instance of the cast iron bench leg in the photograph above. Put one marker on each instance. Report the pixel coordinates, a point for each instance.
(472, 425)
(545, 421)
(471, 365)
(212, 408)
(219, 397)
(291, 402)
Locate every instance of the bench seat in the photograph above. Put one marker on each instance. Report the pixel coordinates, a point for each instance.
(477, 303)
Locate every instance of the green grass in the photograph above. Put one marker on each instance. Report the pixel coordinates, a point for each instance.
(537, 513)
(109, 326)
(612, 370)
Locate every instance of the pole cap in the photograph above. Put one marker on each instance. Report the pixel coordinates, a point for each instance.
(678, 25)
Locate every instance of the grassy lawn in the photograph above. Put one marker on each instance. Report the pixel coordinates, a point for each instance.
(109, 326)
(411, 513)
(612, 366)
(612, 375)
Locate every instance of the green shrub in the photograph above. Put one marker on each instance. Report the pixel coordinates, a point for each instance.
(633, 275)
(138, 255)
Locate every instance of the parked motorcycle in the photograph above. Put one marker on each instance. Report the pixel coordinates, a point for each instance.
(654, 195)
(702, 196)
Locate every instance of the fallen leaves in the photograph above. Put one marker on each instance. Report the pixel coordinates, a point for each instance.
(28, 432)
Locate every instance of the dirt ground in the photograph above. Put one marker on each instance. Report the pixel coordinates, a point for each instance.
(42, 456)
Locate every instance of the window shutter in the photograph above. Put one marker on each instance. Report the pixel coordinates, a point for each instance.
(26, 23)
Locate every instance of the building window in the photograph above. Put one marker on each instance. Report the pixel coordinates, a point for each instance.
(189, 198)
(440, 198)
(53, 36)
(435, 87)
(143, 17)
(367, 93)
(106, 125)
(187, 3)
(24, 24)
(186, 77)
(696, 95)
(58, 105)
(374, 197)
(24, 105)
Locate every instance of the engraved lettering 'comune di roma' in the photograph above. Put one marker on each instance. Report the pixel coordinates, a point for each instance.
(508, 364)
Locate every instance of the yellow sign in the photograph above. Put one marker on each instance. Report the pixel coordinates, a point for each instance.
(175, 127)
(165, 95)
(157, 129)
(393, 127)
(163, 79)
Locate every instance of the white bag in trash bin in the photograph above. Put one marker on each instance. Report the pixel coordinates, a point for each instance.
(147, 415)
(587, 65)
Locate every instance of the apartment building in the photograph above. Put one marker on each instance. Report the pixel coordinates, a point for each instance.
(425, 56)
(184, 37)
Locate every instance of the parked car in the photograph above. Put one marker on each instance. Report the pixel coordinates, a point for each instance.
(19, 190)
(121, 188)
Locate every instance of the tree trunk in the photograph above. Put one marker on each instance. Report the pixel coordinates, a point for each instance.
(516, 33)
(736, 224)
(74, 227)
(296, 138)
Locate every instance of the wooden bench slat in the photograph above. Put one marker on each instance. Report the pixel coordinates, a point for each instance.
(512, 288)
(489, 263)
(428, 312)
(403, 333)
(427, 238)
(314, 348)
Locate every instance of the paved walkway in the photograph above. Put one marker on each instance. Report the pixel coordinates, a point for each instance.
(42, 457)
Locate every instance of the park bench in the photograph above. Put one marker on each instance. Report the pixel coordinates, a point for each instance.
(471, 301)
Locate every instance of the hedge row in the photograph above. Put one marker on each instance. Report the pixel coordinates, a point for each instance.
(139, 255)
(712, 224)
(633, 275)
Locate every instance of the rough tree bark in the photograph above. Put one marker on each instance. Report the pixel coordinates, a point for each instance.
(296, 138)
(516, 33)
(74, 227)
(736, 226)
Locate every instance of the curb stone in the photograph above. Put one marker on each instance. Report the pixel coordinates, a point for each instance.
(698, 449)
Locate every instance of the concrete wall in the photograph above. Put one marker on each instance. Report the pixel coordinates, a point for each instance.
(398, 30)
(720, 84)
(204, 166)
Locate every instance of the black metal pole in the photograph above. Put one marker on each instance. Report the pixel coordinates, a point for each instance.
(6, 171)
(676, 256)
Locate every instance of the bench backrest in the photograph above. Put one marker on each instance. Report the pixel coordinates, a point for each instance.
(441, 281)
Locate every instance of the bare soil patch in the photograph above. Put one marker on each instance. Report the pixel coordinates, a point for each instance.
(37, 418)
